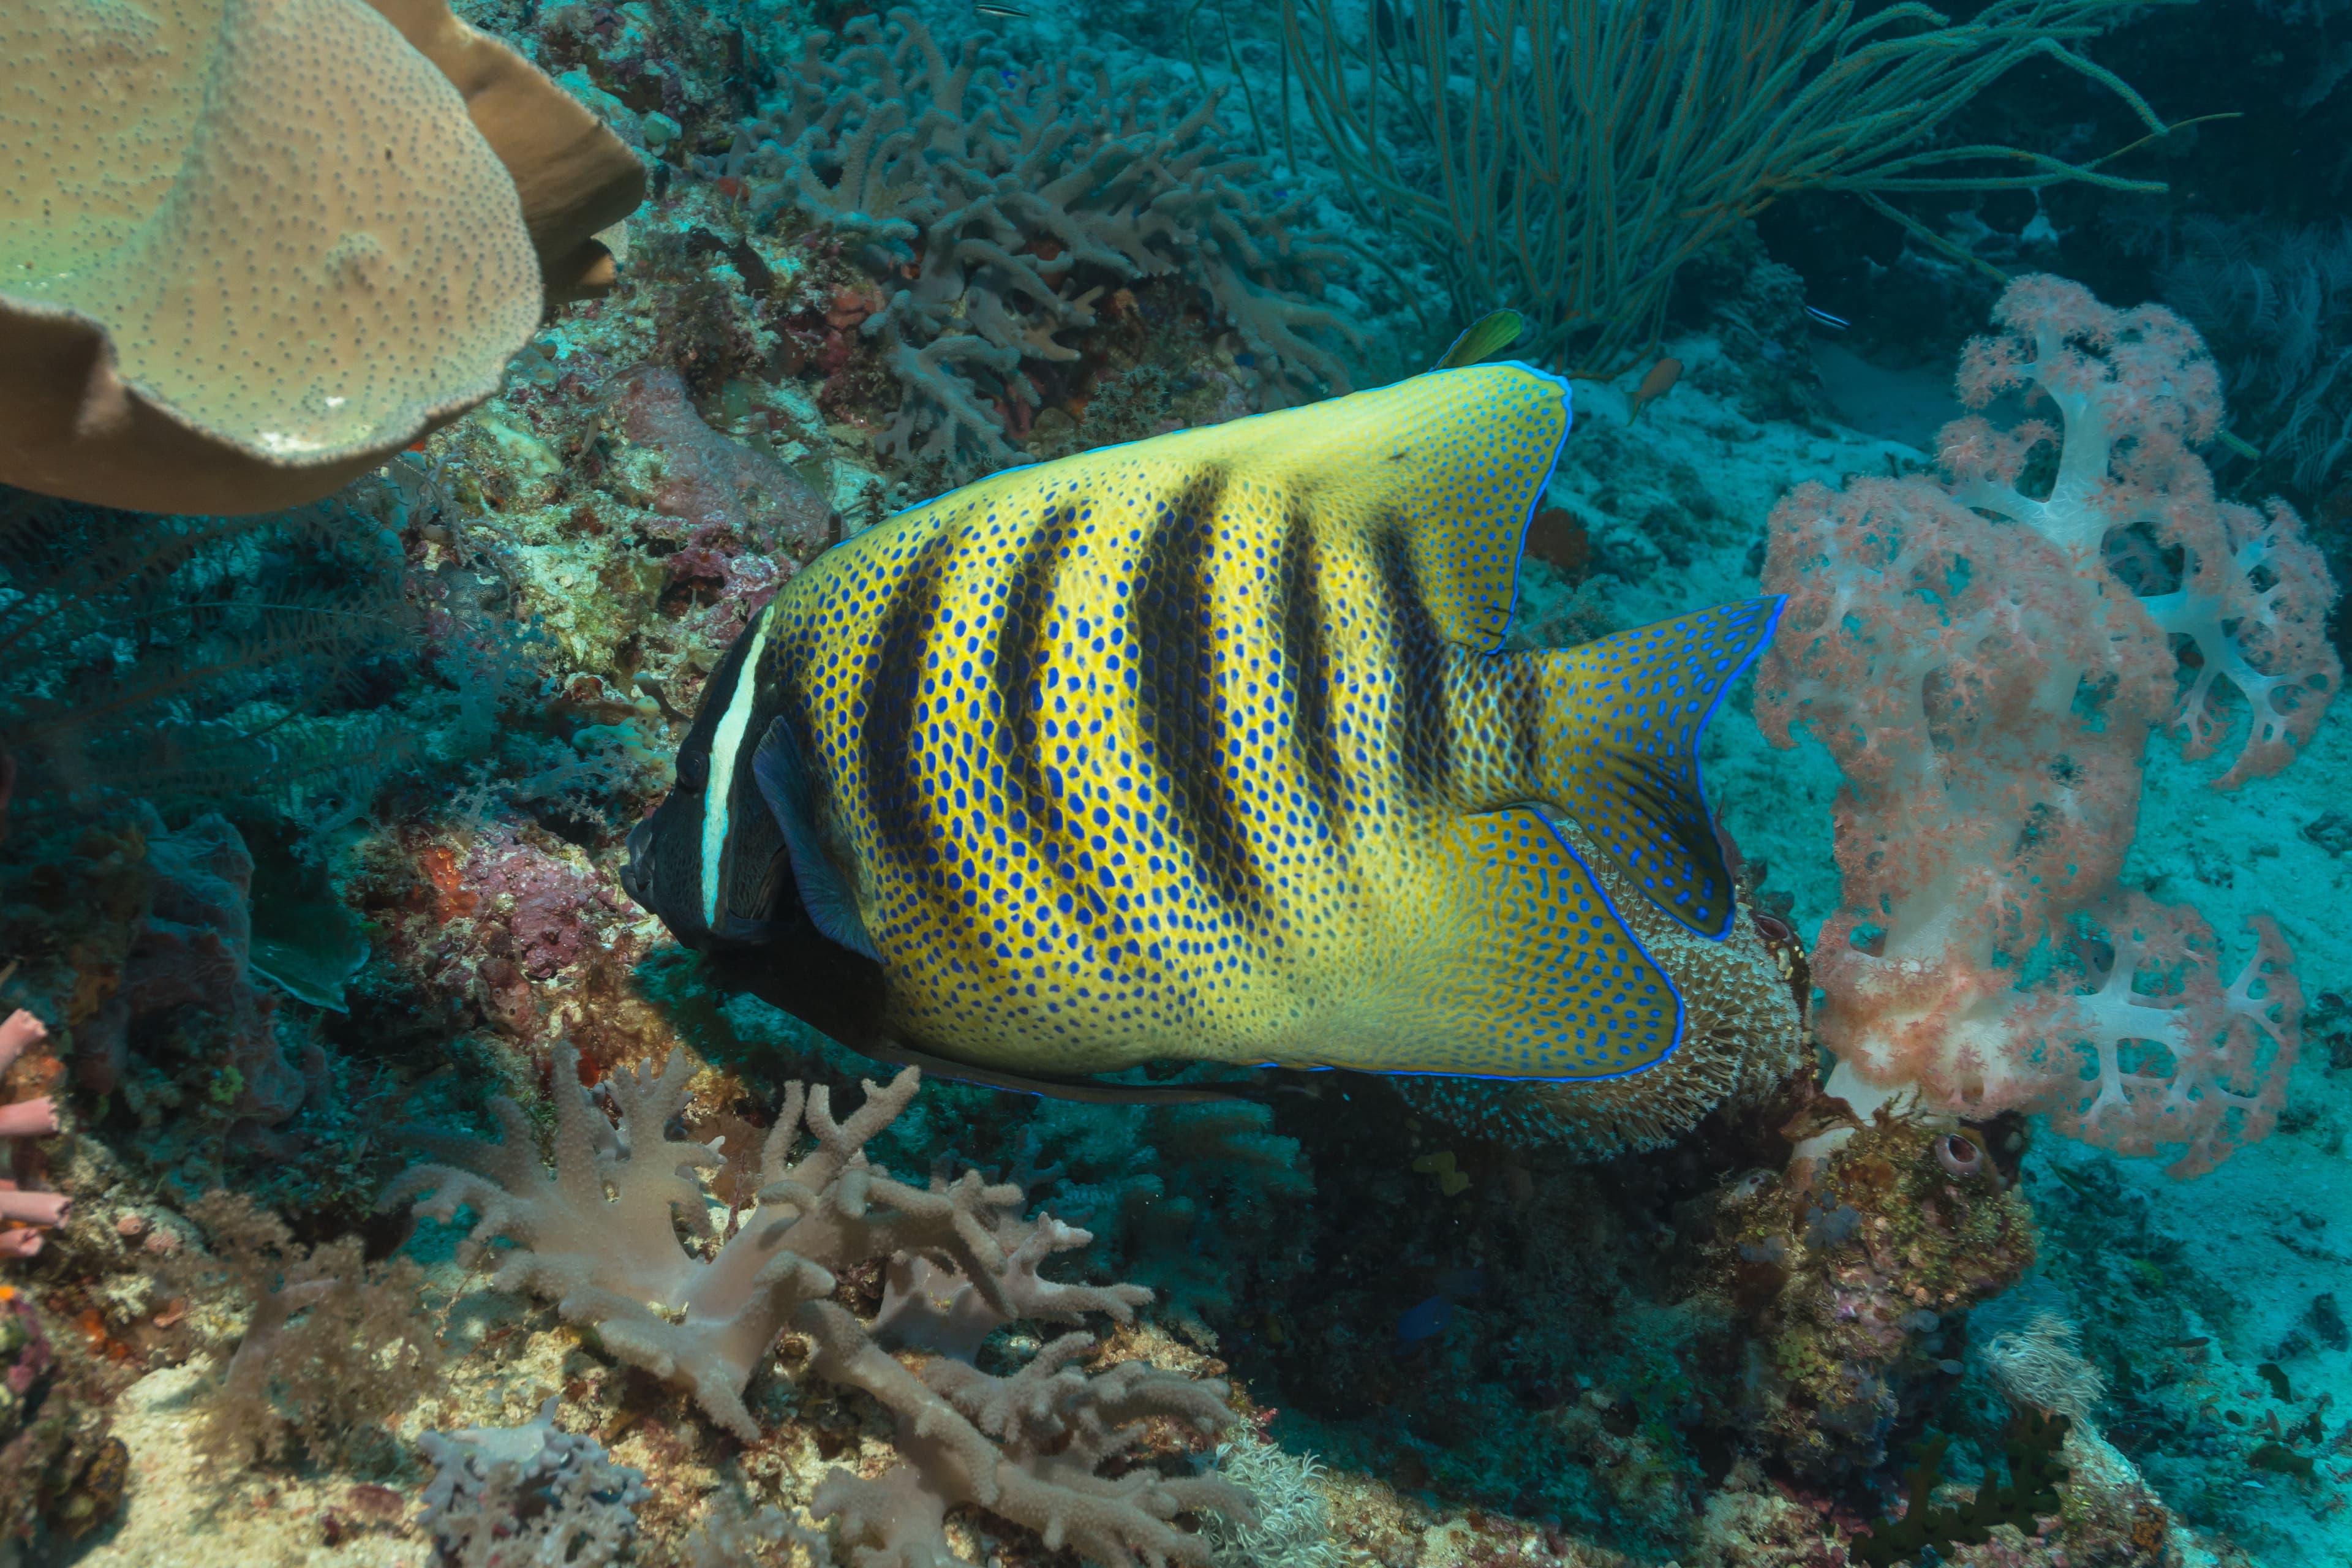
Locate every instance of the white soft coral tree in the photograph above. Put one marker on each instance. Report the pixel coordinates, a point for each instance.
(1986, 663)
(599, 1236)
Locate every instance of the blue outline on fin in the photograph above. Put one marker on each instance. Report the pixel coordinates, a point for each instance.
(784, 784)
(1682, 1008)
(1698, 774)
(1551, 466)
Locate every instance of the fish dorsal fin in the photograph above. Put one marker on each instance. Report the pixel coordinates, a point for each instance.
(783, 782)
(1489, 436)
(1452, 463)
(1632, 708)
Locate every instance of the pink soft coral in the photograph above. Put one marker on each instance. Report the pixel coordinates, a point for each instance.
(1988, 689)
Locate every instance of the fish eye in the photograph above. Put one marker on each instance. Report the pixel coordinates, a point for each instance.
(693, 769)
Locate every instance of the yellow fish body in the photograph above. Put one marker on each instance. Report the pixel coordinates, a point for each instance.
(1203, 747)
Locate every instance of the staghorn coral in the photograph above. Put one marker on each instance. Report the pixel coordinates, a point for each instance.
(733, 1536)
(1989, 690)
(997, 207)
(512, 1497)
(1058, 1426)
(618, 1265)
(960, 1262)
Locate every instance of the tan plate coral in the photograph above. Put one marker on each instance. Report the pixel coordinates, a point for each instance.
(258, 245)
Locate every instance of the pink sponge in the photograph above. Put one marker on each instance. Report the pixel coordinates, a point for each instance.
(34, 1118)
(1988, 685)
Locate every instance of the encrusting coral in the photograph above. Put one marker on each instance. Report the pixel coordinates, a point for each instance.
(960, 1262)
(257, 249)
(1989, 691)
(502, 1496)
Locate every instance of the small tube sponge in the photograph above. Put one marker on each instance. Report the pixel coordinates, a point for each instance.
(20, 1211)
(1988, 689)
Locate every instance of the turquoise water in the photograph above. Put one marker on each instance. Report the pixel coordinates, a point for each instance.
(1139, 1015)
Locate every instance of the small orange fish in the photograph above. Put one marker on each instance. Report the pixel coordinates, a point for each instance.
(1655, 385)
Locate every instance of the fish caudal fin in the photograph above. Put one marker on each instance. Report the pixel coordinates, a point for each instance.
(1623, 721)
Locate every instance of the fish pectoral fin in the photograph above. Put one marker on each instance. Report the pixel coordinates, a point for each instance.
(1623, 720)
(779, 768)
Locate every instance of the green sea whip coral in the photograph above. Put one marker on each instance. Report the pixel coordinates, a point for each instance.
(1581, 151)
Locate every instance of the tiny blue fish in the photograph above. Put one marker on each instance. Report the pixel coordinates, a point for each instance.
(1835, 323)
(1424, 1322)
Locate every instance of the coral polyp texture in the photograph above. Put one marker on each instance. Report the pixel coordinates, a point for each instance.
(255, 246)
(959, 1261)
(1003, 212)
(1987, 658)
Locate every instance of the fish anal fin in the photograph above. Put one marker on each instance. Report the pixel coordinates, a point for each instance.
(1623, 720)
(1529, 973)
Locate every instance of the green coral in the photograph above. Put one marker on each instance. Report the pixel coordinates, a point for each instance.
(2032, 1446)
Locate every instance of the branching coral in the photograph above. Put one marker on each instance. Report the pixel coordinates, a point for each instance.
(998, 205)
(600, 1238)
(1988, 689)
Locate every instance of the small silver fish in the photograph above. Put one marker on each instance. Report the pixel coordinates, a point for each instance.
(996, 8)
(1835, 323)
